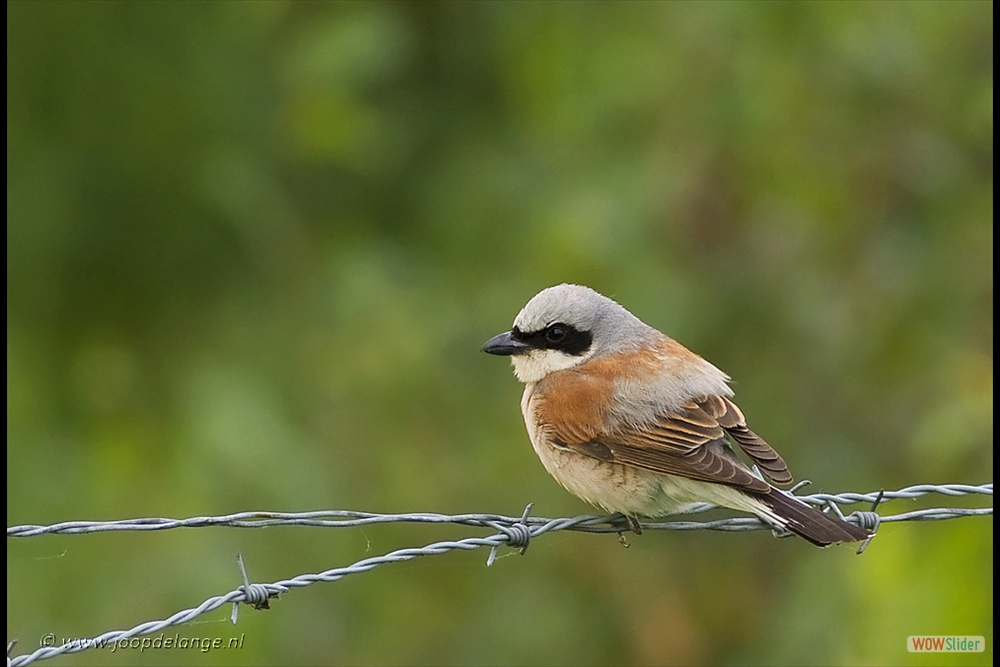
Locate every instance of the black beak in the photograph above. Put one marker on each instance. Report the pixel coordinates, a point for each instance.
(505, 345)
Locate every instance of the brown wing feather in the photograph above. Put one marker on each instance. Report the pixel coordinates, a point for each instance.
(768, 460)
(689, 443)
(702, 464)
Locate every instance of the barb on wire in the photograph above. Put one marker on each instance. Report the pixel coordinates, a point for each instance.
(519, 535)
(870, 521)
(515, 532)
(255, 595)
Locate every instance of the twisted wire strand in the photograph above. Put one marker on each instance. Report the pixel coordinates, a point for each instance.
(350, 518)
(511, 531)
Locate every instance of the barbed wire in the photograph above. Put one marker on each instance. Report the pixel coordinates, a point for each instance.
(350, 518)
(515, 532)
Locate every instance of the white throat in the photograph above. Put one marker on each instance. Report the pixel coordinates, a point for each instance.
(535, 365)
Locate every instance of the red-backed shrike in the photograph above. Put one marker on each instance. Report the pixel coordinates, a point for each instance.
(630, 420)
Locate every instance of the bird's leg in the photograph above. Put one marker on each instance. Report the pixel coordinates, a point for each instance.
(633, 525)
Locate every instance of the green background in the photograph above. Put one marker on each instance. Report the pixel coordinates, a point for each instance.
(253, 251)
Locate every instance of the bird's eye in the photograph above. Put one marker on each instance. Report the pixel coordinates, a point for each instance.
(555, 333)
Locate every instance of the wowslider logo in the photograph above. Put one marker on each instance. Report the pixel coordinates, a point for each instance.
(945, 644)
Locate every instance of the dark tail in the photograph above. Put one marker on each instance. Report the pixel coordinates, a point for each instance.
(805, 521)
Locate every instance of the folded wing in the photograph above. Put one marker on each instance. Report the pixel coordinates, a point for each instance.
(690, 442)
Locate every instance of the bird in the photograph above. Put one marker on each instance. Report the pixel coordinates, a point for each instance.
(629, 420)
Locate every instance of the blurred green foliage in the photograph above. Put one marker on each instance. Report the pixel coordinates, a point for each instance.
(253, 250)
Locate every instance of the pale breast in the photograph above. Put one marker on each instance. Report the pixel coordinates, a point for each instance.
(611, 486)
